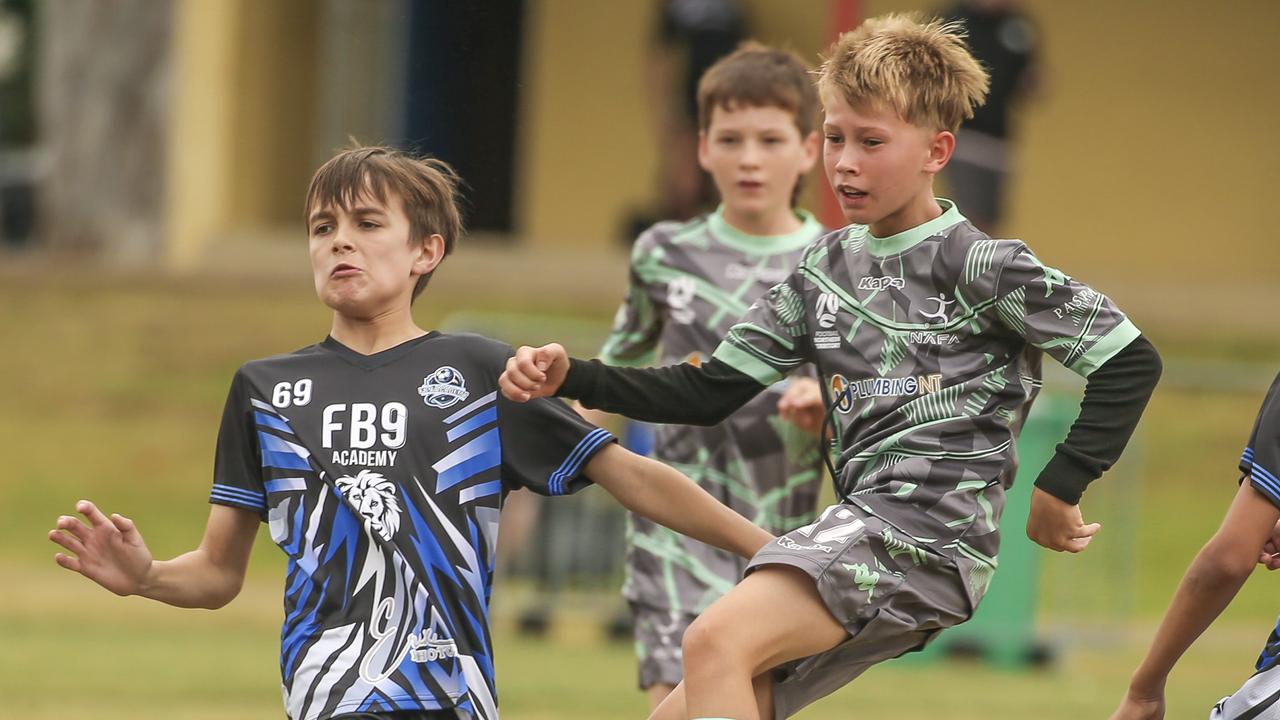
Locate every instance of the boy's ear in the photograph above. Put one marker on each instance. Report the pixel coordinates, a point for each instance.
(430, 253)
(941, 146)
(702, 150)
(812, 146)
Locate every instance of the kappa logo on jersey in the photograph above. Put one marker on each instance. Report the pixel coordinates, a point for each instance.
(444, 388)
(881, 283)
(940, 313)
(374, 497)
(680, 294)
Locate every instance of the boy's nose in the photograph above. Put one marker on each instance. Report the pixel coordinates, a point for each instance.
(342, 240)
(848, 162)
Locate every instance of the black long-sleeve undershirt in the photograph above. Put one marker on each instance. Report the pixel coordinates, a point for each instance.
(1115, 395)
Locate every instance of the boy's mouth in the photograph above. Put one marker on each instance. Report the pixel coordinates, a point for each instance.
(750, 184)
(850, 193)
(344, 270)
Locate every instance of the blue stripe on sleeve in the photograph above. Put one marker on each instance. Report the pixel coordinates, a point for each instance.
(573, 463)
(1259, 471)
(1267, 487)
(241, 492)
(238, 496)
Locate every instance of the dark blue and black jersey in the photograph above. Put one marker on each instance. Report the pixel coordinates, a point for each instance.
(1260, 465)
(381, 477)
(1260, 461)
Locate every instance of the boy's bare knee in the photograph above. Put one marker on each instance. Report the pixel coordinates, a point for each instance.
(709, 639)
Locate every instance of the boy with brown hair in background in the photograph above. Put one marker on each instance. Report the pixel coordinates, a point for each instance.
(757, 138)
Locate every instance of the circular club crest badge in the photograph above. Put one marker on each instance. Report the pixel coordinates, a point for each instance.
(443, 388)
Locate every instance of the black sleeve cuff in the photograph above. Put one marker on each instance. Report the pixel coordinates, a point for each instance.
(1066, 475)
(1114, 398)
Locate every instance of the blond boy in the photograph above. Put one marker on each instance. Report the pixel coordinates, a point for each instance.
(380, 458)
(929, 335)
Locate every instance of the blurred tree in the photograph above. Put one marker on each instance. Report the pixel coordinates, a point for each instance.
(103, 116)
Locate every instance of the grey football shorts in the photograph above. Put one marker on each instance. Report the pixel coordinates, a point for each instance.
(892, 595)
(659, 633)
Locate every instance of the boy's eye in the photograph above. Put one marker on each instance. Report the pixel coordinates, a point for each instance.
(728, 140)
(833, 139)
(321, 229)
(872, 142)
(368, 224)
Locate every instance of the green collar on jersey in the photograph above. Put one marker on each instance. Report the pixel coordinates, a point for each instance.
(894, 244)
(764, 244)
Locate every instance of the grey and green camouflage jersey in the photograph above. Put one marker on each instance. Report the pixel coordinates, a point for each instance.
(930, 341)
(689, 283)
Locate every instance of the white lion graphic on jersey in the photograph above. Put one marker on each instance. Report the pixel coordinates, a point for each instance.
(374, 497)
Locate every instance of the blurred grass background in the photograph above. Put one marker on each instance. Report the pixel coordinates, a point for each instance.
(113, 390)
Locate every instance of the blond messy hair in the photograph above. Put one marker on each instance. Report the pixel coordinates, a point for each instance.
(919, 69)
(427, 187)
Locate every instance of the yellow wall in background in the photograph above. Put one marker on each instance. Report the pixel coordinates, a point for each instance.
(1149, 160)
(1145, 168)
(1147, 165)
(200, 135)
(275, 109)
(243, 105)
(587, 147)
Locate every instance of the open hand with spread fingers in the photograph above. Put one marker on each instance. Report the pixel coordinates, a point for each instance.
(108, 550)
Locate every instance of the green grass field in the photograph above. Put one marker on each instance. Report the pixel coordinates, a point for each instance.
(113, 390)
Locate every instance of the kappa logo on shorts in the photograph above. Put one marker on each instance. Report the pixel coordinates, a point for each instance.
(444, 388)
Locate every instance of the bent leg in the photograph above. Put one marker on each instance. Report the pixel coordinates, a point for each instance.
(672, 707)
(773, 616)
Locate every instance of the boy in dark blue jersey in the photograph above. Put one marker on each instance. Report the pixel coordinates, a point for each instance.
(380, 458)
(1249, 536)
